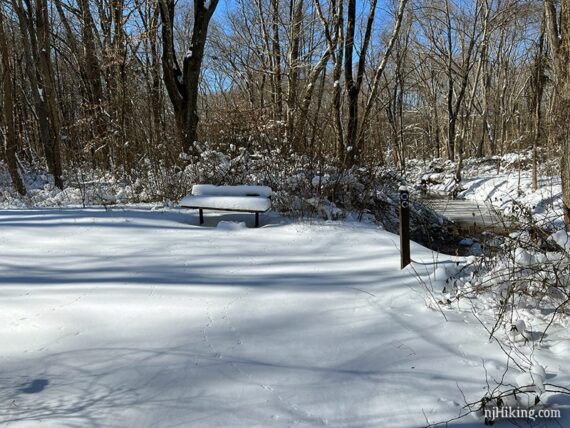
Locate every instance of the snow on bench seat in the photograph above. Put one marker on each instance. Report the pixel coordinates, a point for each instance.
(230, 203)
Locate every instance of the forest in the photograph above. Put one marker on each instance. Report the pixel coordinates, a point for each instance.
(129, 88)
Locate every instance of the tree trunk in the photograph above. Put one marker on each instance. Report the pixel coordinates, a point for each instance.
(276, 53)
(537, 86)
(559, 37)
(335, 42)
(379, 72)
(296, 12)
(34, 27)
(182, 82)
(92, 66)
(353, 87)
(8, 110)
(53, 153)
(337, 90)
(350, 84)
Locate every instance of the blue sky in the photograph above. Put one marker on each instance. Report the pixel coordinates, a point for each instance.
(362, 6)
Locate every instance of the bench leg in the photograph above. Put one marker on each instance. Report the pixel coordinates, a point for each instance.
(201, 216)
(256, 219)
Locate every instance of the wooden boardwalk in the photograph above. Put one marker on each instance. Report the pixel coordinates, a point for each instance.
(467, 214)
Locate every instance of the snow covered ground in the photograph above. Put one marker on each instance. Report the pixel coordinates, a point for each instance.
(135, 317)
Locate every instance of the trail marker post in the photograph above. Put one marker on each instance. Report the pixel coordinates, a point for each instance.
(404, 226)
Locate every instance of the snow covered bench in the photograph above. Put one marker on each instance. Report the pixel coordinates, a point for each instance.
(250, 199)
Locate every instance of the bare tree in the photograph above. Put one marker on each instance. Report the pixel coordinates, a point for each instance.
(341, 44)
(558, 26)
(182, 82)
(334, 36)
(276, 55)
(309, 76)
(35, 31)
(455, 96)
(8, 110)
(537, 82)
(379, 72)
(295, 36)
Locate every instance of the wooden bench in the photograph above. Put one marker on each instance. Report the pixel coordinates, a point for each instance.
(249, 199)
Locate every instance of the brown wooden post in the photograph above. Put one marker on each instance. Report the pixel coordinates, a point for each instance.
(201, 216)
(256, 219)
(404, 227)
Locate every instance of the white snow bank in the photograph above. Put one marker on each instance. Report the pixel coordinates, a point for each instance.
(231, 225)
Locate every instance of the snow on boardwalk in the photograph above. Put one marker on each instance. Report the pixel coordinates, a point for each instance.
(466, 213)
(136, 318)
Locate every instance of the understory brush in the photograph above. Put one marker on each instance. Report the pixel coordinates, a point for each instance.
(303, 187)
(520, 295)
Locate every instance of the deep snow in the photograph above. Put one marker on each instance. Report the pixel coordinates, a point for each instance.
(135, 317)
